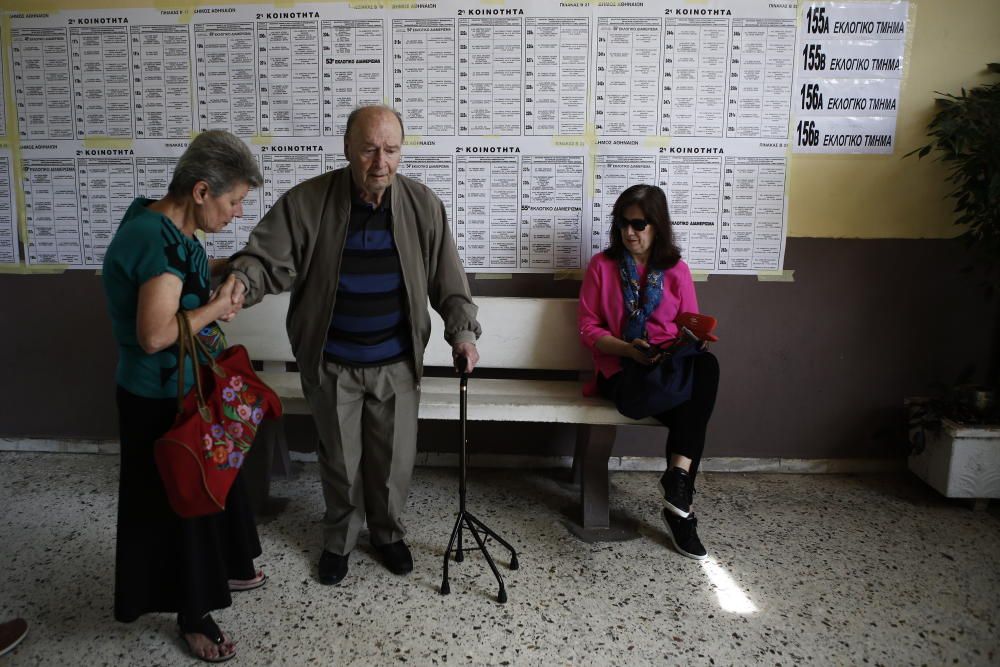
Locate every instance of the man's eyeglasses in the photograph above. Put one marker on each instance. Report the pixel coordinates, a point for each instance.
(638, 224)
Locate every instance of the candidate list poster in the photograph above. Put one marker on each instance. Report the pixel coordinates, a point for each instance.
(527, 120)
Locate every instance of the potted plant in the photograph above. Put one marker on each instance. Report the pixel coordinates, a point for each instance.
(956, 438)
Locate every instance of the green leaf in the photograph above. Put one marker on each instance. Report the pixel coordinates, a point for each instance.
(964, 134)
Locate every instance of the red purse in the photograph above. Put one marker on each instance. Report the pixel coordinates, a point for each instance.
(700, 326)
(201, 454)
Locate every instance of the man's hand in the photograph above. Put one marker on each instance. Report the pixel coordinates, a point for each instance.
(239, 292)
(224, 300)
(467, 350)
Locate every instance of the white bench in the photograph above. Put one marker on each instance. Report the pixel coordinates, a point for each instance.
(518, 333)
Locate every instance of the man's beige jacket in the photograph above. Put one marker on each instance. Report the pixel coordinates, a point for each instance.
(298, 246)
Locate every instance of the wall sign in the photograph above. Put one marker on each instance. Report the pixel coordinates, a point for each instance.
(849, 65)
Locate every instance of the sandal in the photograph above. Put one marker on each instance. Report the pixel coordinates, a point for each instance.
(248, 584)
(206, 627)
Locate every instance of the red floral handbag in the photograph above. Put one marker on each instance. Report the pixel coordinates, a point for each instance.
(201, 454)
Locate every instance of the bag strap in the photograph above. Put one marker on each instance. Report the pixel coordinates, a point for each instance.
(188, 346)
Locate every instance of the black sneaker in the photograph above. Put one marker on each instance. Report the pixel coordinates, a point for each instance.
(11, 634)
(683, 532)
(332, 568)
(677, 488)
(396, 557)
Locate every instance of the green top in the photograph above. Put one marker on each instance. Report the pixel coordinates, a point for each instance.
(146, 245)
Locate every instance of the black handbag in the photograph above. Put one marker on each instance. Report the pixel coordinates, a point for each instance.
(645, 391)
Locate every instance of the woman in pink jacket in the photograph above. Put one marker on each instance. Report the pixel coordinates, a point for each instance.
(631, 295)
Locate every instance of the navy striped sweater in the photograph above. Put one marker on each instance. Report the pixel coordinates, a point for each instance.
(370, 326)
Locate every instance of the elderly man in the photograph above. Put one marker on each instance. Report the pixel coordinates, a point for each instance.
(363, 251)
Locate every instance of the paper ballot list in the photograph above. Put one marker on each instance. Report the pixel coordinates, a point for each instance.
(528, 120)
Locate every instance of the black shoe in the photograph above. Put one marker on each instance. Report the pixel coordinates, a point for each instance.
(332, 568)
(683, 532)
(677, 488)
(11, 634)
(396, 557)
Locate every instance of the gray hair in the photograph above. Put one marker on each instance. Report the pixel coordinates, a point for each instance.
(354, 115)
(220, 159)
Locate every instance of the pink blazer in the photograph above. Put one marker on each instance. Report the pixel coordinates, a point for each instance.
(602, 310)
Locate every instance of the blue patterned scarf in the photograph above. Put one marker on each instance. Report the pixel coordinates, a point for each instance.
(637, 310)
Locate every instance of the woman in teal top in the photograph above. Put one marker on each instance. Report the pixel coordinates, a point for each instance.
(154, 267)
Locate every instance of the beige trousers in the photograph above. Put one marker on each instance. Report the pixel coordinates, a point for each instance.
(367, 423)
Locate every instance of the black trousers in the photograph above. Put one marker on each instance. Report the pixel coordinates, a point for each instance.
(688, 421)
(164, 563)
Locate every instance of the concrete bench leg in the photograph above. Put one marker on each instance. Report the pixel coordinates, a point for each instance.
(267, 458)
(281, 461)
(256, 470)
(590, 471)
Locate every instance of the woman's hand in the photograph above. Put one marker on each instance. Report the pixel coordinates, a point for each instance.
(222, 302)
(639, 351)
(634, 350)
(159, 299)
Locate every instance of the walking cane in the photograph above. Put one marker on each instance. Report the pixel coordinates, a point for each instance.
(480, 531)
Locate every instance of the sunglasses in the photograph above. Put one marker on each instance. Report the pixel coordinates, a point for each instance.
(638, 224)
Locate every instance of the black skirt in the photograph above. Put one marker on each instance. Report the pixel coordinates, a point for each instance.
(164, 563)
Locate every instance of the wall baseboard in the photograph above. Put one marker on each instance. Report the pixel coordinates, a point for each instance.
(450, 460)
(58, 446)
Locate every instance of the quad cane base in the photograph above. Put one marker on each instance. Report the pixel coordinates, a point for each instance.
(481, 533)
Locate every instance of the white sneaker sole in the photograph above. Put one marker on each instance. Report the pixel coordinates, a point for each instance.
(677, 547)
(676, 511)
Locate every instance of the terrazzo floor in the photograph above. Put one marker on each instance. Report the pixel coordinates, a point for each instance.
(804, 569)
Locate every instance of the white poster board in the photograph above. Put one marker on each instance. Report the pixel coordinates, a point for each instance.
(849, 65)
(527, 119)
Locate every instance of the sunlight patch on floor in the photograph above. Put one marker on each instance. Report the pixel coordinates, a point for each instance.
(731, 596)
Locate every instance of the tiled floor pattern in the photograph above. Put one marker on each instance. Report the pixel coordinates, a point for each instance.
(804, 569)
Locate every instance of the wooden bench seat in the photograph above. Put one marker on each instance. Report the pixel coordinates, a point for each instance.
(518, 334)
(542, 401)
